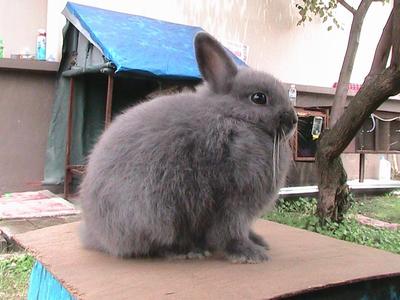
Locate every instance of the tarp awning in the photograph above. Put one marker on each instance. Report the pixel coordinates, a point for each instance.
(139, 44)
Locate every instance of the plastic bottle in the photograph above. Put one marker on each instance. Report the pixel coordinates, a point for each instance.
(384, 169)
(1, 48)
(292, 94)
(41, 45)
(317, 127)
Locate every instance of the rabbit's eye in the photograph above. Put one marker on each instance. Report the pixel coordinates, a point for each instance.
(259, 98)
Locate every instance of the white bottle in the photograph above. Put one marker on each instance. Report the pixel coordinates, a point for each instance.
(1, 48)
(385, 169)
(292, 94)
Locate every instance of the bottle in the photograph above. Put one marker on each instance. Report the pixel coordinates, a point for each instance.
(292, 94)
(385, 169)
(1, 48)
(41, 45)
(317, 127)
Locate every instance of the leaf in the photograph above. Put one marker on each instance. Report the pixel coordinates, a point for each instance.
(330, 28)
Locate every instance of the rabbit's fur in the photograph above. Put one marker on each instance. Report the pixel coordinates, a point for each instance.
(190, 172)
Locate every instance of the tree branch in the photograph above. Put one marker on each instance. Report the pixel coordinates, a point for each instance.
(339, 101)
(374, 91)
(383, 48)
(347, 6)
(395, 61)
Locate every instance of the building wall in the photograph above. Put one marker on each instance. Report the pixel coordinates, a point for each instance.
(26, 100)
(19, 24)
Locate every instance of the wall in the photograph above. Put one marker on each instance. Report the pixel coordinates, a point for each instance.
(303, 55)
(26, 100)
(19, 24)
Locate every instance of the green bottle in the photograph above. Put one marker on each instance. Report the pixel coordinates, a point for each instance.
(1, 48)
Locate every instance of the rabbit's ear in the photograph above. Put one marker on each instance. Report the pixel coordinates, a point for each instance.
(215, 65)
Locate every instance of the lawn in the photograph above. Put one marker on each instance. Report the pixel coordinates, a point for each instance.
(300, 213)
(15, 270)
(385, 208)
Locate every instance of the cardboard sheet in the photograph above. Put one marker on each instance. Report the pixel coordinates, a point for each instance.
(299, 261)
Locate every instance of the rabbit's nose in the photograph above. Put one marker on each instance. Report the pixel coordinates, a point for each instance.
(288, 118)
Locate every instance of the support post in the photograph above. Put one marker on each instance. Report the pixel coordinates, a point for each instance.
(361, 170)
(67, 174)
(110, 87)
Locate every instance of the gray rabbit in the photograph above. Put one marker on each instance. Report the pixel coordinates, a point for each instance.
(188, 173)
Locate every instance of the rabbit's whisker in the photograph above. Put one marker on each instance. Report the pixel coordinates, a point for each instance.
(301, 135)
(274, 161)
(277, 159)
(283, 134)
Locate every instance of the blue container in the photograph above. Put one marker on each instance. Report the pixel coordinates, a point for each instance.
(41, 45)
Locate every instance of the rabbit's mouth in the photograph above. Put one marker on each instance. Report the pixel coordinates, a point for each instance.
(253, 124)
(286, 132)
(279, 137)
(283, 133)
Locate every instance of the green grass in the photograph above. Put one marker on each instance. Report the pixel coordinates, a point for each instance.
(300, 213)
(15, 270)
(385, 208)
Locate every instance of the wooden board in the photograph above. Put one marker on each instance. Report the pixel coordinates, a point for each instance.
(36, 204)
(299, 261)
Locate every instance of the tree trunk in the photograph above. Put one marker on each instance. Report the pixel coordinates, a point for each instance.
(379, 84)
(332, 177)
(333, 188)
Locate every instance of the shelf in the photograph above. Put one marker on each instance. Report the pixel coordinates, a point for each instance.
(377, 151)
(29, 65)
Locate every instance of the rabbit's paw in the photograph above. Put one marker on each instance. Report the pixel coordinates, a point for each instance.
(193, 254)
(258, 239)
(246, 253)
(199, 254)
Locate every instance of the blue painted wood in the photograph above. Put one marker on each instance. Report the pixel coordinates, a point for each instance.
(43, 285)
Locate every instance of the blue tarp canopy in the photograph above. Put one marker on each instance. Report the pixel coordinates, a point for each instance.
(139, 44)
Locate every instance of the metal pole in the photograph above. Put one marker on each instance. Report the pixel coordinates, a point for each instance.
(68, 176)
(361, 169)
(110, 87)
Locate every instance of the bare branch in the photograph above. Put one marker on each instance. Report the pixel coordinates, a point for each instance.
(347, 6)
(395, 35)
(364, 6)
(383, 48)
(373, 93)
(342, 89)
